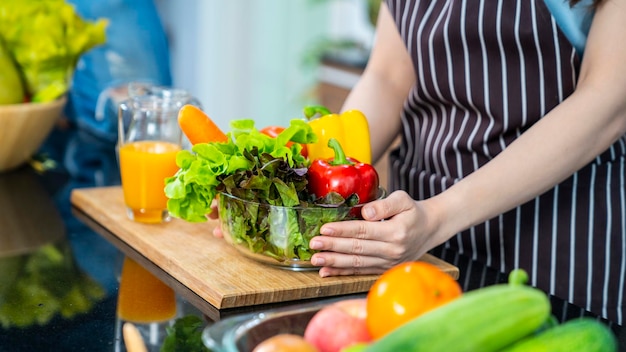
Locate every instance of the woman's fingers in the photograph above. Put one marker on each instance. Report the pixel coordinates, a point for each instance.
(396, 203)
(392, 233)
(214, 214)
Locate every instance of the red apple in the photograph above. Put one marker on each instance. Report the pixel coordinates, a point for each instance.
(339, 325)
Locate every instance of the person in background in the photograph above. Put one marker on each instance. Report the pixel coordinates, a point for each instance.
(137, 49)
(513, 122)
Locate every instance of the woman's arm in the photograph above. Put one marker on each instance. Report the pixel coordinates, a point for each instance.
(566, 139)
(384, 85)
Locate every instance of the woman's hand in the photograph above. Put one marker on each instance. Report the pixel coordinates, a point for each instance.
(217, 231)
(372, 246)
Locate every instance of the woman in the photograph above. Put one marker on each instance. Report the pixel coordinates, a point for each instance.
(513, 144)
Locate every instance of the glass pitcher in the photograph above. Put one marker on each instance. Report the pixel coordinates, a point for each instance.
(149, 138)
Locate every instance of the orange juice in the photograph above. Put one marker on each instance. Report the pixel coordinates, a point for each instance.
(144, 165)
(142, 297)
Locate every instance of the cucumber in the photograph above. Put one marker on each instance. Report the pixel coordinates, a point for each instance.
(486, 319)
(583, 334)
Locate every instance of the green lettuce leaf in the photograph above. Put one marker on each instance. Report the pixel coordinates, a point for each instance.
(250, 164)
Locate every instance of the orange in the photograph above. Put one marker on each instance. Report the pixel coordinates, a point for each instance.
(406, 291)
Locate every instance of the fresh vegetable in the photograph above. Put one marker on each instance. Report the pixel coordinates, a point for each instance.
(582, 334)
(274, 131)
(350, 128)
(342, 175)
(405, 292)
(11, 87)
(185, 335)
(45, 39)
(485, 320)
(198, 126)
(247, 155)
(282, 232)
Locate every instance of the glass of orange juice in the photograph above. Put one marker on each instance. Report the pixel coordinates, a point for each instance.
(149, 139)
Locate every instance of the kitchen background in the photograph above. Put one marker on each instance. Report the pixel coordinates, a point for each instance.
(260, 58)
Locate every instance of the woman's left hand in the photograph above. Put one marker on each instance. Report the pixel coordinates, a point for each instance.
(371, 246)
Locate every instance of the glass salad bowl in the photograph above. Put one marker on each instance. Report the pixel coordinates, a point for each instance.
(278, 235)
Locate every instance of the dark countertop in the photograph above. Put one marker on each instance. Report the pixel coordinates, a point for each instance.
(45, 252)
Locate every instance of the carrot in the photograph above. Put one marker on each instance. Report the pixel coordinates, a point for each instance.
(198, 126)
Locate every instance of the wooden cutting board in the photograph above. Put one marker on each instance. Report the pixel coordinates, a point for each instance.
(209, 266)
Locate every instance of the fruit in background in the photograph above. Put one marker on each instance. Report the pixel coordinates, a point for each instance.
(285, 343)
(406, 291)
(274, 131)
(46, 39)
(339, 325)
(198, 126)
(11, 88)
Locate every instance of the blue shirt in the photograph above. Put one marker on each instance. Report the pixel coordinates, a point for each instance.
(574, 22)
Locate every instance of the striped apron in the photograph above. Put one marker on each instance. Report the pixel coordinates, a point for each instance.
(486, 71)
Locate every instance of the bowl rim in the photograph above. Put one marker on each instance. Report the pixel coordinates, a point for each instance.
(35, 105)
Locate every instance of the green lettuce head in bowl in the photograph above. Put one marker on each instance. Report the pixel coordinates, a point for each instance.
(280, 235)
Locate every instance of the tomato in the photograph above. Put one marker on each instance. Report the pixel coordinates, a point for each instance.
(285, 342)
(406, 291)
(274, 131)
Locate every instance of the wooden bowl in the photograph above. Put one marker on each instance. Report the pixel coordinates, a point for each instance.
(23, 128)
(33, 219)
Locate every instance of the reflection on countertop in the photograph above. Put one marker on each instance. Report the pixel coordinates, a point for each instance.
(49, 298)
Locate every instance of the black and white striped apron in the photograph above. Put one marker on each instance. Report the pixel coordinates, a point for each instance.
(486, 71)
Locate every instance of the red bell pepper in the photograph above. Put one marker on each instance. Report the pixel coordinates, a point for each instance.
(343, 175)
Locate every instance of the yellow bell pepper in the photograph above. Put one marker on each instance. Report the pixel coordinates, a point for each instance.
(350, 128)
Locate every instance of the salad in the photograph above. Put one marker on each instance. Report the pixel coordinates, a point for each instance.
(263, 174)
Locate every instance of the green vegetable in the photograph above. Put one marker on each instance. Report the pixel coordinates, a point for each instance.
(208, 166)
(583, 334)
(485, 320)
(282, 233)
(11, 88)
(258, 170)
(46, 38)
(185, 335)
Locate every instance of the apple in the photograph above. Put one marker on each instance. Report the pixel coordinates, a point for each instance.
(339, 325)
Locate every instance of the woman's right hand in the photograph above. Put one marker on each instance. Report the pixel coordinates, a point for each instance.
(396, 229)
